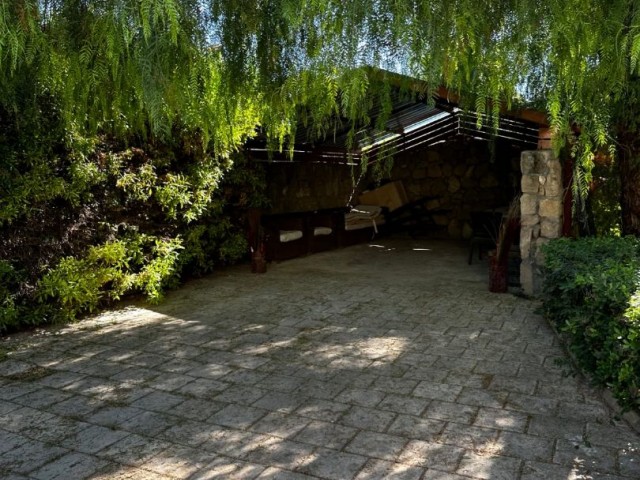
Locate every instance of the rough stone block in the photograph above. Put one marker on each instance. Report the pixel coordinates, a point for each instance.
(434, 171)
(551, 208)
(550, 228)
(454, 185)
(525, 242)
(531, 183)
(527, 162)
(553, 186)
(526, 277)
(527, 220)
(489, 181)
(528, 204)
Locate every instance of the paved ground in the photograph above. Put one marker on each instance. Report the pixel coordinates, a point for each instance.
(389, 361)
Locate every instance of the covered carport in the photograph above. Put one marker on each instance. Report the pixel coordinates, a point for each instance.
(451, 161)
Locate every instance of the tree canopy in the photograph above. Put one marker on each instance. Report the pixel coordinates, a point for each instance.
(224, 66)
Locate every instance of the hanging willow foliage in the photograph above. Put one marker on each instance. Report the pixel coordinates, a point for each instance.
(223, 66)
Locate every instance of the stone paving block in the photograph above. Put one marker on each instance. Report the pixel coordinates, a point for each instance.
(426, 373)
(13, 390)
(280, 424)
(481, 398)
(415, 427)
(467, 379)
(400, 386)
(113, 416)
(456, 364)
(332, 465)
(527, 447)
(133, 376)
(170, 382)
(431, 455)
(322, 410)
(489, 467)
(360, 396)
(188, 433)
(404, 404)
(321, 390)
(451, 411)
(76, 407)
(149, 423)
(197, 409)
(355, 379)
(531, 404)
(10, 441)
(497, 368)
(382, 470)
(6, 407)
(439, 475)
(502, 383)
(158, 401)
(478, 439)
(96, 386)
(179, 463)
(237, 416)
(553, 427)
(39, 425)
(178, 365)
(282, 383)
(203, 388)
(615, 435)
(92, 438)
(629, 460)
(240, 394)
(101, 368)
(368, 419)
(273, 473)
(279, 402)
(29, 456)
(233, 469)
(14, 368)
(325, 434)
(545, 471)
(59, 379)
(280, 453)
(72, 465)
(591, 412)
(134, 450)
(147, 360)
(570, 391)
(212, 371)
(244, 377)
(437, 391)
(376, 445)
(585, 456)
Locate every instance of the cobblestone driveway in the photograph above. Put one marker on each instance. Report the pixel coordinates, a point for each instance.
(388, 361)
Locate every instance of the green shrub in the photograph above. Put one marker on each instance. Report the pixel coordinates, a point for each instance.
(142, 263)
(591, 295)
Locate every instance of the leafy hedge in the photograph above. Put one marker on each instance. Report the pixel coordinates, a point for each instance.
(591, 294)
(87, 220)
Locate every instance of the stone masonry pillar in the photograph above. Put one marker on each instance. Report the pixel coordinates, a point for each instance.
(540, 211)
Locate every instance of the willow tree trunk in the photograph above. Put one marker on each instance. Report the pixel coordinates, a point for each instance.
(629, 164)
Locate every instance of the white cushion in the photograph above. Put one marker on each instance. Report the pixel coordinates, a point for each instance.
(290, 235)
(317, 231)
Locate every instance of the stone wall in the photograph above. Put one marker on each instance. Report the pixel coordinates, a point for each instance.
(299, 186)
(462, 177)
(541, 212)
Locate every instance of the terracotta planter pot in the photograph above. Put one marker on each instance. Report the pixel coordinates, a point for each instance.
(498, 275)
